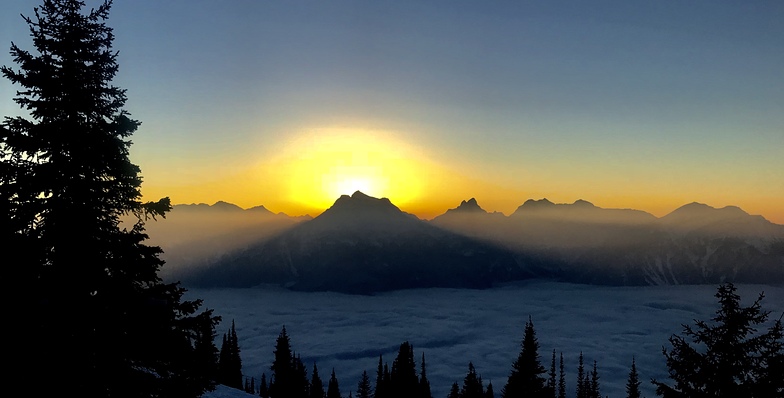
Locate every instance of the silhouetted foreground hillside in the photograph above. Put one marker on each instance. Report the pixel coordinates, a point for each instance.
(363, 244)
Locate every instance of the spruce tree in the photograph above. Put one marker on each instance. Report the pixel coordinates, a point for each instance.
(364, 390)
(526, 376)
(333, 389)
(472, 384)
(561, 378)
(403, 378)
(633, 383)
(728, 358)
(593, 390)
(424, 383)
(230, 364)
(223, 359)
(301, 382)
(204, 346)
(66, 184)
(388, 382)
(551, 381)
(284, 384)
(263, 387)
(489, 392)
(581, 387)
(454, 392)
(316, 385)
(381, 387)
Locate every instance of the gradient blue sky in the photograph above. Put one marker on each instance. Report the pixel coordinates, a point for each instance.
(647, 105)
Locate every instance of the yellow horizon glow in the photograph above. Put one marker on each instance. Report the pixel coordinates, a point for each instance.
(315, 167)
(321, 164)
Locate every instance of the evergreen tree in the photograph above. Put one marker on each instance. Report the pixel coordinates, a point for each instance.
(263, 388)
(316, 385)
(381, 387)
(593, 390)
(204, 346)
(363, 387)
(283, 371)
(403, 378)
(526, 376)
(551, 381)
(633, 383)
(230, 364)
(387, 382)
(252, 389)
(454, 392)
(66, 184)
(489, 392)
(728, 358)
(301, 382)
(581, 387)
(424, 383)
(561, 379)
(472, 384)
(333, 390)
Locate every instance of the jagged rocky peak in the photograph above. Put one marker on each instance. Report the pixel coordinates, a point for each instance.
(361, 208)
(361, 201)
(470, 205)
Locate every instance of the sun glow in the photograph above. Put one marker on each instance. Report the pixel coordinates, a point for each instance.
(323, 164)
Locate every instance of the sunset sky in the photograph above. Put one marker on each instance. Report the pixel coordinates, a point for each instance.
(631, 104)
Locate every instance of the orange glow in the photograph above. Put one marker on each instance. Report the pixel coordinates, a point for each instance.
(312, 170)
(320, 165)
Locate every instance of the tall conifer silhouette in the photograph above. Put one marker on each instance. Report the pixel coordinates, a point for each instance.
(633, 383)
(66, 184)
(527, 370)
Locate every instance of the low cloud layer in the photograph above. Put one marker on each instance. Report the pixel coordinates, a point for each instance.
(453, 327)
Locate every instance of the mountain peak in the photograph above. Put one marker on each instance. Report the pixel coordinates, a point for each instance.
(695, 210)
(469, 205)
(360, 209)
(700, 213)
(359, 195)
(544, 202)
(583, 203)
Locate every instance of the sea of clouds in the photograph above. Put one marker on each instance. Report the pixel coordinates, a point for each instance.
(454, 326)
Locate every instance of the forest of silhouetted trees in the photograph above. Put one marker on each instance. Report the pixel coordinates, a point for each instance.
(724, 358)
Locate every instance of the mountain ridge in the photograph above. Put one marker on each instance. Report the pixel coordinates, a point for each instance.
(363, 244)
(471, 204)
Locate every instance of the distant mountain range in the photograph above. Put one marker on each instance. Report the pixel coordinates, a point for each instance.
(363, 244)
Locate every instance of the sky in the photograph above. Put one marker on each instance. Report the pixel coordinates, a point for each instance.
(454, 326)
(626, 104)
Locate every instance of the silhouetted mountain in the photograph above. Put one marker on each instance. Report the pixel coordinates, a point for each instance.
(363, 244)
(470, 219)
(580, 211)
(588, 244)
(731, 221)
(194, 233)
